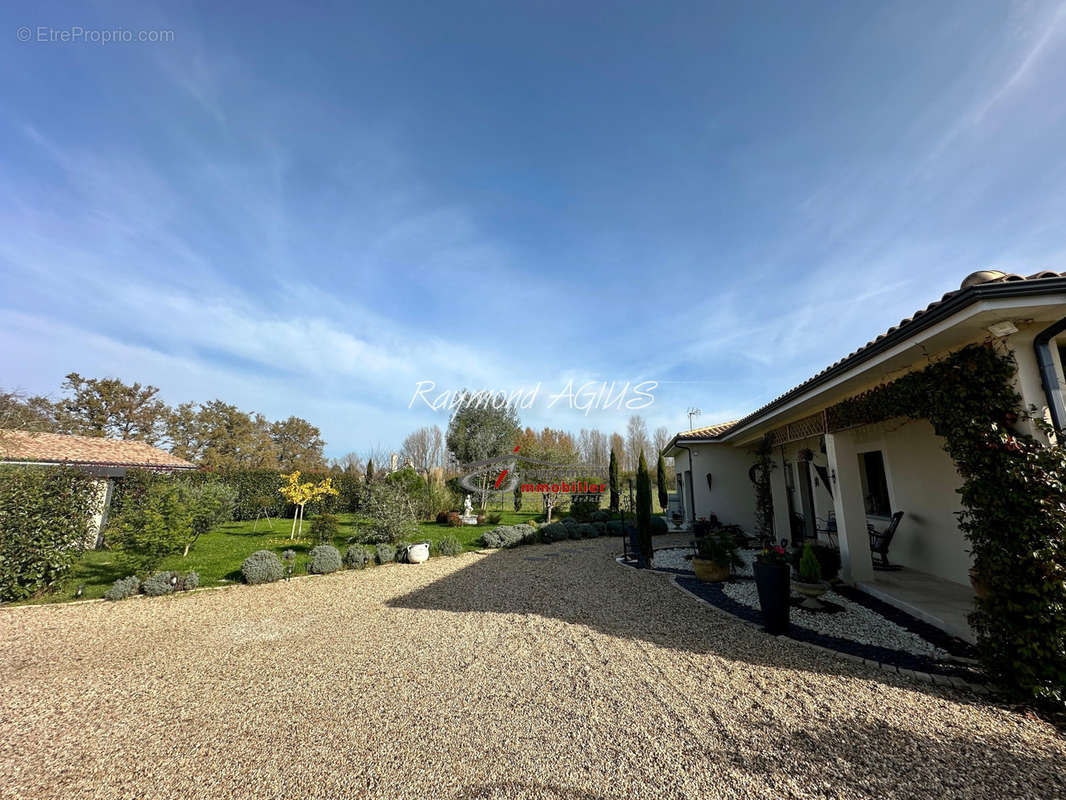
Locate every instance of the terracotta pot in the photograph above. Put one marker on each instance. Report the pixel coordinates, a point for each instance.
(774, 597)
(709, 571)
(980, 588)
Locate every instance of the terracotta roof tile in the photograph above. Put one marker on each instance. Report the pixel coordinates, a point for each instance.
(61, 448)
(706, 432)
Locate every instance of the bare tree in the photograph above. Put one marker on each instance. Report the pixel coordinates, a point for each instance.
(637, 441)
(592, 445)
(423, 448)
(351, 463)
(661, 437)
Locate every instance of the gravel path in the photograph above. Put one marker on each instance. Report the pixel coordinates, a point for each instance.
(539, 672)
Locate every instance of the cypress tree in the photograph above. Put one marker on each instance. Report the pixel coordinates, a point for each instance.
(660, 479)
(370, 471)
(612, 472)
(644, 511)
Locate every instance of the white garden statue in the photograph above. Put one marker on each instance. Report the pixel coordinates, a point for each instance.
(469, 516)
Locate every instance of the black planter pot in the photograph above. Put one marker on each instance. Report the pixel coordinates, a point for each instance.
(772, 581)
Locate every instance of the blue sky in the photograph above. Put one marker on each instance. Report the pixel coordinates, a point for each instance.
(309, 211)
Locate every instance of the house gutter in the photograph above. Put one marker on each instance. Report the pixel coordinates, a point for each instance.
(692, 489)
(1048, 377)
(962, 299)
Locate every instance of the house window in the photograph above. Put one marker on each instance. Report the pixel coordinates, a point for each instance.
(874, 483)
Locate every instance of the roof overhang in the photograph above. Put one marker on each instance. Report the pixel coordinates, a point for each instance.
(959, 320)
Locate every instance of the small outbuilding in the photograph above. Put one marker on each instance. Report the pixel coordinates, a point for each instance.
(104, 459)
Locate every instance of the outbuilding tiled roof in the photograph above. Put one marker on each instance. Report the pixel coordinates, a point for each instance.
(59, 448)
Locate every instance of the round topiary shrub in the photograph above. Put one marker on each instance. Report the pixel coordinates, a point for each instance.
(659, 525)
(601, 516)
(323, 559)
(262, 566)
(386, 554)
(599, 528)
(585, 530)
(568, 521)
(448, 546)
(555, 532)
(159, 584)
(190, 581)
(356, 556)
(123, 588)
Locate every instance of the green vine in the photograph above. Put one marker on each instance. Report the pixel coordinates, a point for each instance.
(1014, 508)
(764, 502)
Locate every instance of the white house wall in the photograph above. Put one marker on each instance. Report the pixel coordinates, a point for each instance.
(732, 494)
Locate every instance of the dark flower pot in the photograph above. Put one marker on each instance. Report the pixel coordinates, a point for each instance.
(772, 581)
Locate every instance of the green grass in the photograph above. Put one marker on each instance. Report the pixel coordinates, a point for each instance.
(217, 556)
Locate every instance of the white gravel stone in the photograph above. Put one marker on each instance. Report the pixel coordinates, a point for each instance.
(856, 623)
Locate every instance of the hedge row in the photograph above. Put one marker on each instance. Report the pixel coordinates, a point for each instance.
(257, 490)
(46, 520)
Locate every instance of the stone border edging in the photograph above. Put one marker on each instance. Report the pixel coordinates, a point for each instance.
(941, 679)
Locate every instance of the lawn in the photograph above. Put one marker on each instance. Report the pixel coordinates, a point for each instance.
(217, 556)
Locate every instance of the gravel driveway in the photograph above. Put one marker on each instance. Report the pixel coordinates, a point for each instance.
(540, 672)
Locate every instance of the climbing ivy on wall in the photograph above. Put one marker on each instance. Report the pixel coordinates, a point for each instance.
(1014, 508)
(760, 476)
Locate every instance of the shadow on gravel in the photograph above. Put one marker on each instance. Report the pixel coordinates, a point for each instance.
(875, 760)
(582, 584)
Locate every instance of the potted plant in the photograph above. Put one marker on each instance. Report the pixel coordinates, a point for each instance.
(810, 583)
(676, 518)
(716, 555)
(772, 575)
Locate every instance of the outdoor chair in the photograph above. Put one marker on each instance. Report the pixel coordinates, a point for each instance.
(828, 526)
(880, 541)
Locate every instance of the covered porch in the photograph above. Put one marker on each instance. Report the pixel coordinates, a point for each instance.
(943, 604)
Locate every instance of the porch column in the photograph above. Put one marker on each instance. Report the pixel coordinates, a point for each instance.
(849, 507)
(779, 494)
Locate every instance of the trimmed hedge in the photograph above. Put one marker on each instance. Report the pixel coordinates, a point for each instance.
(385, 553)
(46, 520)
(357, 556)
(509, 536)
(123, 588)
(448, 546)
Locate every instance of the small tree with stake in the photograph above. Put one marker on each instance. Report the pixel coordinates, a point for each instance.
(300, 494)
(643, 512)
(517, 495)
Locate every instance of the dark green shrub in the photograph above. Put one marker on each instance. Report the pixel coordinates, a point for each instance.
(810, 571)
(493, 518)
(46, 520)
(442, 517)
(601, 516)
(158, 526)
(123, 588)
(385, 553)
(828, 559)
(643, 511)
(448, 546)
(555, 532)
(568, 521)
(600, 528)
(325, 528)
(614, 527)
(190, 581)
(358, 556)
(323, 559)
(585, 531)
(160, 583)
(262, 566)
(659, 525)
